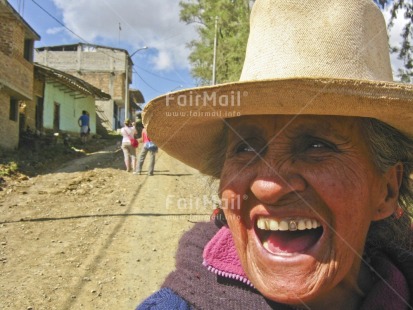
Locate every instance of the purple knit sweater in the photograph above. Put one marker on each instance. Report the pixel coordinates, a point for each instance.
(203, 289)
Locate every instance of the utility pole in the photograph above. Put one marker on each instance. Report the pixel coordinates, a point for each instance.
(214, 63)
(127, 79)
(126, 86)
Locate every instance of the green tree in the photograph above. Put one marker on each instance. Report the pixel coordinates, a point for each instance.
(405, 51)
(233, 29)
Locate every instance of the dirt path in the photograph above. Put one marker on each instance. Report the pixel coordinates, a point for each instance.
(92, 236)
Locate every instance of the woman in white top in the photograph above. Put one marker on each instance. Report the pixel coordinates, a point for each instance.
(128, 131)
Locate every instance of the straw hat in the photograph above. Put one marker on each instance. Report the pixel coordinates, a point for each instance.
(314, 57)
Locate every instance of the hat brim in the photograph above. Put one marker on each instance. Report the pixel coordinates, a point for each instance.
(187, 124)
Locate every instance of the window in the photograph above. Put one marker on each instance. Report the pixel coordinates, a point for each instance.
(14, 109)
(88, 48)
(28, 49)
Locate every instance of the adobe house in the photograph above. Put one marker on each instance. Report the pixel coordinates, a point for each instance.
(107, 68)
(60, 99)
(16, 72)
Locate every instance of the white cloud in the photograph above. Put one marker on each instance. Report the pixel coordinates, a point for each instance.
(55, 30)
(163, 60)
(153, 23)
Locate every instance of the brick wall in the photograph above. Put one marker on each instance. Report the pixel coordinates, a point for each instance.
(16, 73)
(112, 84)
(9, 130)
(102, 60)
(16, 79)
(19, 37)
(6, 36)
(119, 87)
(100, 80)
(12, 35)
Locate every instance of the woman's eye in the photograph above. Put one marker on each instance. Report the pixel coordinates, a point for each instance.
(317, 145)
(244, 148)
(322, 146)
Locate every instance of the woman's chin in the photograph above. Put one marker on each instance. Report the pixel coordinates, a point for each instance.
(287, 290)
(273, 268)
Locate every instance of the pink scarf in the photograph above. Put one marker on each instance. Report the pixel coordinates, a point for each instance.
(390, 292)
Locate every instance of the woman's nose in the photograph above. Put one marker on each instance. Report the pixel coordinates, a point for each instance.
(271, 189)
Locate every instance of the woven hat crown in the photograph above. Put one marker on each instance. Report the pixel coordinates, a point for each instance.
(319, 38)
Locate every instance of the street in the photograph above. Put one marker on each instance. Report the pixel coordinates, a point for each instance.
(92, 236)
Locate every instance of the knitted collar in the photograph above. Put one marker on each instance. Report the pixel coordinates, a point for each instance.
(221, 258)
(389, 292)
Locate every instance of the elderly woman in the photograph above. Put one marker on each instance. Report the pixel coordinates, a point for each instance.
(314, 169)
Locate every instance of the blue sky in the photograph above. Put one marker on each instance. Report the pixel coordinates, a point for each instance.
(161, 68)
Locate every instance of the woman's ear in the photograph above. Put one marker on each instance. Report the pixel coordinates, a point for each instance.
(389, 204)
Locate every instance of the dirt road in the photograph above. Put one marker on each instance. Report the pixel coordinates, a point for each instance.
(92, 236)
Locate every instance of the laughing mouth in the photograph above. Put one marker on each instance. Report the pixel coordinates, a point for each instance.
(288, 236)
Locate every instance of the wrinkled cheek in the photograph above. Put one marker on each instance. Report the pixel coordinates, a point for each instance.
(239, 233)
(234, 200)
(351, 236)
(236, 215)
(234, 205)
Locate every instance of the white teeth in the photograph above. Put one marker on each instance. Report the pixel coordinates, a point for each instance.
(315, 225)
(273, 225)
(284, 225)
(265, 245)
(301, 225)
(261, 223)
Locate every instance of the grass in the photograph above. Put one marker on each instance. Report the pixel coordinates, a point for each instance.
(8, 169)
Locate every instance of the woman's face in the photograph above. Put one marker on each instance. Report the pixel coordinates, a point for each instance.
(299, 194)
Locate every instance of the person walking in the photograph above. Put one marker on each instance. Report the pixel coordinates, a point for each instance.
(129, 152)
(148, 146)
(139, 124)
(83, 122)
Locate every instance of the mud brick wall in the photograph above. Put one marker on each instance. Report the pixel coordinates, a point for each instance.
(15, 72)
(16, 78)
(9, 130)
(11, 37)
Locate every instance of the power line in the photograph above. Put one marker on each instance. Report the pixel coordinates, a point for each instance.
(84, 40)
(112, 56)
(159, 92)
(44, 10)
(161, 77)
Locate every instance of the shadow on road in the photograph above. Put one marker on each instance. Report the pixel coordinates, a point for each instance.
(47, 219)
